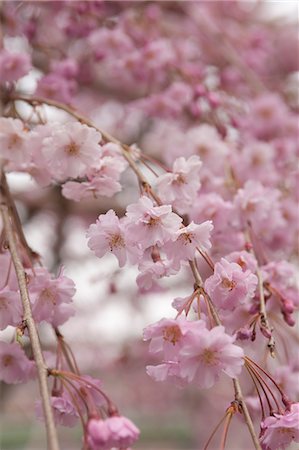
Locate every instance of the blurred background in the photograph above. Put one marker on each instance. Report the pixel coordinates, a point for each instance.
(106, 332)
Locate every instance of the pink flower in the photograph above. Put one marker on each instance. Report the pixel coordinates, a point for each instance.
(169, 103)
(97, 187)
(209, 353)
(158, 54)
(87, 386)
(108, 235)
(169, 335)
(261, 206)
(245, 260)
(284, 278)
(188, 239)
(13, 65)
(107, 43)
(102, 180)
(116, 431)
(208, 145)
(278, 431)
(213, 207)
(15, 367)
(7, 274)
(229, 286)
(267, 117)
(152, 270)
(38, 167)
(10, 308)
(149, 225)
(287, 377)
(71, 150)
(64, 411)
(51, 297)
(180, 187)
(56, 87)
(169, 371)
(256, 161)
(67, 68)
(14, 141)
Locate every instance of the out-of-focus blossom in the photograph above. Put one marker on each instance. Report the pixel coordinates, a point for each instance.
(13, 65)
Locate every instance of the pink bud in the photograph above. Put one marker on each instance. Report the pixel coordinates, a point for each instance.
(243, 334)
(266, 332)
(289, 319)
(213, 99)
(200, 90)
(287, 306)
(195, 109)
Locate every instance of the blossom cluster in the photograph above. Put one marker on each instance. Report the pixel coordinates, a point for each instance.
(63, 153)
(211, 134)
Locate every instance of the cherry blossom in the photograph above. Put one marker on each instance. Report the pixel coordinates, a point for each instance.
(229, 286)
(207, 355)
(10, 308)
(108, 234)
(180, 187)
(14, 364)
(192, 352)
(102, 181)
(152, 268)
(14, 141)
(116, 431)
(51, 297)
(188, 240)
(13, 65)
(169, 335)
(56, 87)
(71, 149)
(194, 182)
(64, 412)
(149, 225)
(278, 431)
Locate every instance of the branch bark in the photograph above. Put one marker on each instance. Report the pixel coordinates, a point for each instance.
(42, 370)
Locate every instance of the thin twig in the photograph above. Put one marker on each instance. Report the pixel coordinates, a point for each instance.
(247, 417)
(263, 312)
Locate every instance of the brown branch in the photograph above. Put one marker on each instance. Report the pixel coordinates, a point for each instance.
(42, 370)
(237, 387)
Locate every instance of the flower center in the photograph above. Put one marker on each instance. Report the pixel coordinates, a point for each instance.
(186, 238)
(209, 357)
(47, 295)
(152, 221)
(172, 334)
(266, 112)
(241, 263)
(180, 179)
(7, 360)
(284, 430)
(3, 303)
(14, 141)
(116, 240)
(72, 149)
(250, 207)
(202, 150)
(228, 284)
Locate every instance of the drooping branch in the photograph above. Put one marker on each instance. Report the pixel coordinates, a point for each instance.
(126, 151)
(42, 371)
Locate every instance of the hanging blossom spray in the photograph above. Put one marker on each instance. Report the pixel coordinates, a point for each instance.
(217, 200)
